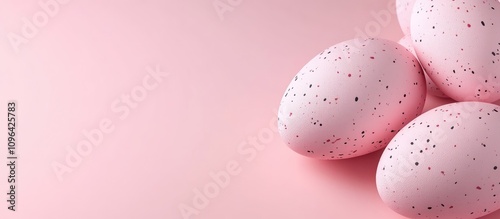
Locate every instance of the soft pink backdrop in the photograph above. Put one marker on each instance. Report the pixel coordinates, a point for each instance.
(226, 79)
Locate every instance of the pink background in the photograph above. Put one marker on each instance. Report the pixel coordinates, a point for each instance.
(227, 76)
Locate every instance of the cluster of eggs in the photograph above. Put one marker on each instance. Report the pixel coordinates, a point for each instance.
(363, 95)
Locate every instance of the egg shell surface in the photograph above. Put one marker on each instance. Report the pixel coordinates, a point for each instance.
(444, 164)
(458, 44)
(351, 99)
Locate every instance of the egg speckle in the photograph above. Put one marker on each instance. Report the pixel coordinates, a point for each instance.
(351, 99)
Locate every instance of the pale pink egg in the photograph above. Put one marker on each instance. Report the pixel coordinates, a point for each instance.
(458, 44)
(351, 99)
(444, 164)
(432, 88)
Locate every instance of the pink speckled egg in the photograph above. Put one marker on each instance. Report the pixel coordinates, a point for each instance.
(444, 164)
(458, 44)
(351, 99)
(431, 86)
(403, 10)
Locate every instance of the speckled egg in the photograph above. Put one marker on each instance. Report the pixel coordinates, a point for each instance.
(458, 44)
(351, 99)
(432, 88)
(444, 164)
(403, 10)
